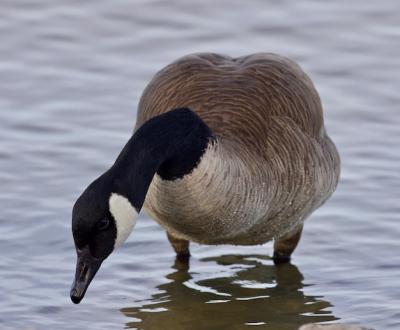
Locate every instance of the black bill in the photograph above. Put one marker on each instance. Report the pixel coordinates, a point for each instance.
(86, 267)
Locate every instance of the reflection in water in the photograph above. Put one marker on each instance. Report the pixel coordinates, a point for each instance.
(248, 291)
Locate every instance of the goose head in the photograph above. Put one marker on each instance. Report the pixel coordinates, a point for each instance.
(101, 221)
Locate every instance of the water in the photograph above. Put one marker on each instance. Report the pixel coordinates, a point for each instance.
(71, 76)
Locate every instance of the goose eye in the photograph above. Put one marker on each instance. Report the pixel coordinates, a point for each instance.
(103, 224)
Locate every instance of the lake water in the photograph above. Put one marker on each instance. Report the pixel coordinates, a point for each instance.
(71, 76)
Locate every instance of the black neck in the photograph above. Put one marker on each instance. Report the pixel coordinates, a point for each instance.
(170, 144)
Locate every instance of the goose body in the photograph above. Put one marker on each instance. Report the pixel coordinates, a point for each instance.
(225, 151)
(271, 163)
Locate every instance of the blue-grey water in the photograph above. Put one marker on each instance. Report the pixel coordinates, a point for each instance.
(71, 74)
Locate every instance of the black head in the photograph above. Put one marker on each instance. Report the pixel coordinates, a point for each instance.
(94, 230)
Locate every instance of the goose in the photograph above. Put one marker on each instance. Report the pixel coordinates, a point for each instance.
(225, 151)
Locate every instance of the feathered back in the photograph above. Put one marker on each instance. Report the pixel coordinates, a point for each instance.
(240, 99)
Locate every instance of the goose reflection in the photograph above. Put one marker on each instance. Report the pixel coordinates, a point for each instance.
(242, 290)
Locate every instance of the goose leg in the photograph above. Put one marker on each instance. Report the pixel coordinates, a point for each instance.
(284, 246)
(180, 246)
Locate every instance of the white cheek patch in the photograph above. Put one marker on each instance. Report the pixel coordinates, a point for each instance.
(125, 217)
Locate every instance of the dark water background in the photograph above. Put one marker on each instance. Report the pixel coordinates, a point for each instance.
(71, 74)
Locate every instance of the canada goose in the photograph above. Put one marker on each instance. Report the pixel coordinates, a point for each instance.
(225, 151)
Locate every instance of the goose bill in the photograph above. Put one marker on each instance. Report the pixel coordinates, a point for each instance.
(86, 267)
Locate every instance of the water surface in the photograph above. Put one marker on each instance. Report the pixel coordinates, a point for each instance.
(71, 77)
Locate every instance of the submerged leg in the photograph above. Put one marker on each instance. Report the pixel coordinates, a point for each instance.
(284, 246)
(181, 247)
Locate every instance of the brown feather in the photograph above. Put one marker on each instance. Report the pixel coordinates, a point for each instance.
(268, 120)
